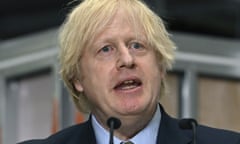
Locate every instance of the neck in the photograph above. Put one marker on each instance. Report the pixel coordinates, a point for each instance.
(130, 126)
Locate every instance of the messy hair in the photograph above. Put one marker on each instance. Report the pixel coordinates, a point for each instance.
(88, 19)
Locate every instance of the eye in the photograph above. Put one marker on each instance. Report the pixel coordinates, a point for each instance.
(105, 49)
(136, 45)
(138, 48)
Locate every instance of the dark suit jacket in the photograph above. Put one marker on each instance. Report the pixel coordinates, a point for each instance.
(169, 133)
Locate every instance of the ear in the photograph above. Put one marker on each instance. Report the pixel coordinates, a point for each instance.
(78, 86)
(162, 70)
(163, 73)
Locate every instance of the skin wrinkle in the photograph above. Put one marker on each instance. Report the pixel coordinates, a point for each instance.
(105, 100)
(108, 42)
(74, 40)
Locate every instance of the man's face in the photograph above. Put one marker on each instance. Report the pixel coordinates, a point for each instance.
(119, 72)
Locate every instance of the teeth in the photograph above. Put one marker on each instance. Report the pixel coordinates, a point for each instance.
(128, 82)
(128, 87)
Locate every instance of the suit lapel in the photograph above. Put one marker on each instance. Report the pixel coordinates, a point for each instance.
(169, 132)
(84, 135)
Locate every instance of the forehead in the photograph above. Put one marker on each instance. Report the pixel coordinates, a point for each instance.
(124, 22)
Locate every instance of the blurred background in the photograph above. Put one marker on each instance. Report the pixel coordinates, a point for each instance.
(204, 83)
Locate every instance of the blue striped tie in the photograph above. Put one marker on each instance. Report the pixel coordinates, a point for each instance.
(128, 142)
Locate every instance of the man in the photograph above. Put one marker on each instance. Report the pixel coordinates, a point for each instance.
(114, 56)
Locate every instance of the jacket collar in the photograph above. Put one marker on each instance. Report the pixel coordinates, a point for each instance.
(85, 134)
(169, 131)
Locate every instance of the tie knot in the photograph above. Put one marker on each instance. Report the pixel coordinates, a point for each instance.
(128, 142)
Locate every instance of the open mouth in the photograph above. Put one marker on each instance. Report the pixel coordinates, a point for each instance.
(128, 84)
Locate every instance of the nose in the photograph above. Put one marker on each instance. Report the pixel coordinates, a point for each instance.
(125, 59)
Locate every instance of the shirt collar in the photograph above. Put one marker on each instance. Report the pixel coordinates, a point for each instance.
(147, 135)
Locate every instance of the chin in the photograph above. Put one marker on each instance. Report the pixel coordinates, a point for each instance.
(133, 108)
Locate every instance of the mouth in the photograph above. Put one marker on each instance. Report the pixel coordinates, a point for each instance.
(128, 84)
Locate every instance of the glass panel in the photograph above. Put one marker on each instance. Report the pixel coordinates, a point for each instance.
(219, 103)
(2, 101)
(33, 96)
(0, 135)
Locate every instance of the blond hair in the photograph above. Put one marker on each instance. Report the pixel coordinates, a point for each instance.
(90, 17)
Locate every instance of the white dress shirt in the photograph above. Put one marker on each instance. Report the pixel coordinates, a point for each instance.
(148, 135)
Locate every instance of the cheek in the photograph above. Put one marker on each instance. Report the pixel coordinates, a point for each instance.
(96, 76)
(152, 66)
(154, 74)
(155, 80)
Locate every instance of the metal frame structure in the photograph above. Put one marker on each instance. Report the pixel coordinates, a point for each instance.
(196, 55)
(203, 55)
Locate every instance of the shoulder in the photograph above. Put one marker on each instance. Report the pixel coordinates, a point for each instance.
(210, 135)
(213, 135)
(205, 134)
(64, 136)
